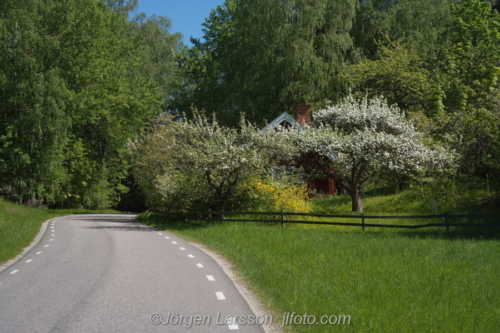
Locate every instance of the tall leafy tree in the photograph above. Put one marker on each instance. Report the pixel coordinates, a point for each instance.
(262, 57)
(34, 98)
(78, 80)
(398, 73)
(422, 23)
(202, 66)
(158, 50)
(123, 7)
(471, 76)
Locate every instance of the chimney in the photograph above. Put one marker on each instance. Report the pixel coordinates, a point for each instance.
(303, 114)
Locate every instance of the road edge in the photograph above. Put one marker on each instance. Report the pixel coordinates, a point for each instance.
(252, 300)
(33, 243)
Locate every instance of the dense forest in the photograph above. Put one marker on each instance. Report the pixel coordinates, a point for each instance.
(82, 79)
(78, 79)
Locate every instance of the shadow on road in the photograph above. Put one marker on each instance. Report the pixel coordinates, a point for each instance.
(123, 228)
(117, 222)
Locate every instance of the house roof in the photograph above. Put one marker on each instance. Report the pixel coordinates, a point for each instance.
(284, 117)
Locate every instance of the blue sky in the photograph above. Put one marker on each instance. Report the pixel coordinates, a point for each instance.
(186, 15)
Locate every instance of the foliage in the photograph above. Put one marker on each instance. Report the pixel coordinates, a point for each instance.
(123, 7)
(471, 85)
(262, 57)
(197, 163)
(364, 138)
(80, 78)
(269, 195)
(77, 81)
(398, 74)
(421, 23)
(443, 63)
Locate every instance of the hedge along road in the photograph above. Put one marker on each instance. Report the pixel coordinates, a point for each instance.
(109, 273)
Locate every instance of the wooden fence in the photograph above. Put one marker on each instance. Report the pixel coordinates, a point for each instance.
(211, 216)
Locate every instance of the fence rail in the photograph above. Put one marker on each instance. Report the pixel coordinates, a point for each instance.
(210, 216)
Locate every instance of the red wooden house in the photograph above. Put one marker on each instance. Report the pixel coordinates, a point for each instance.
(308, 162)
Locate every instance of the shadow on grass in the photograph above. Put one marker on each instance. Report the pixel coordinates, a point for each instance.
(478, 234)
(380, 191)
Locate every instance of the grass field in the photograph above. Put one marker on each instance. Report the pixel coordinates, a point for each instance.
(386, 281)
(19, 225)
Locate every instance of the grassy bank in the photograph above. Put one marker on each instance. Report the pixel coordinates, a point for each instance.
(381, 201)
(391, 281)
(19, 225)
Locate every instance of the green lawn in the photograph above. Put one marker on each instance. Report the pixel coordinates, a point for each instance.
(387, 280)
(20, 224)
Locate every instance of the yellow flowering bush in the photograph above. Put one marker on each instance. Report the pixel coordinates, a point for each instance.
(268, 195)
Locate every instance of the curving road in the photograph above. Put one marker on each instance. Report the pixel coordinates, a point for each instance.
(108, 273)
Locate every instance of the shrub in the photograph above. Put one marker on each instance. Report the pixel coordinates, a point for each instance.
(268, 195)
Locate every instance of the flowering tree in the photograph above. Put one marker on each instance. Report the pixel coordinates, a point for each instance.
(364, 138)
(181, 163)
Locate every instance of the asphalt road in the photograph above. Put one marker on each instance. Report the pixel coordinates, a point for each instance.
(107, 273)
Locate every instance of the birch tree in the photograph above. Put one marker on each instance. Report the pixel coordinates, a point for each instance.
(262, 57)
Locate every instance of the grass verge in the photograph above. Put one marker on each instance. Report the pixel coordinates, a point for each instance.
(20, 224)
(393, 281)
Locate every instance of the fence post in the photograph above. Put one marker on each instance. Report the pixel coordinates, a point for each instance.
(363, 221)
(209, 217)
(487, 185)
(282, 219)
(447, 222)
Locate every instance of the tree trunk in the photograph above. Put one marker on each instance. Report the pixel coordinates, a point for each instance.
(357, 199)
(219, 206)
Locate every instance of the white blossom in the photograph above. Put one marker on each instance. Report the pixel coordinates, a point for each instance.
(363, 138)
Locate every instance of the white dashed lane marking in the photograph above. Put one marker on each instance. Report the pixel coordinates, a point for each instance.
(190, 256)
(51, 239)
(210, 278)
(183, 249)
(160, 233)
(29, 260)
(167, 237)
(14, 271)
(220, 296)
(233, 325)
(174, 242)
(199, 265)
(39, 252)
(47, 245)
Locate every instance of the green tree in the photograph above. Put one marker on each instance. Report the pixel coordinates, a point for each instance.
(33, 101)
(362, 139)
(188, 164)
(78, 80)
(123, 7)
(421, 23)
(471, 82)
(400, 75)
(262, 57)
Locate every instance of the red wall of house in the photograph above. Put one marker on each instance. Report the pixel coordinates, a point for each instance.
(323, 186)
